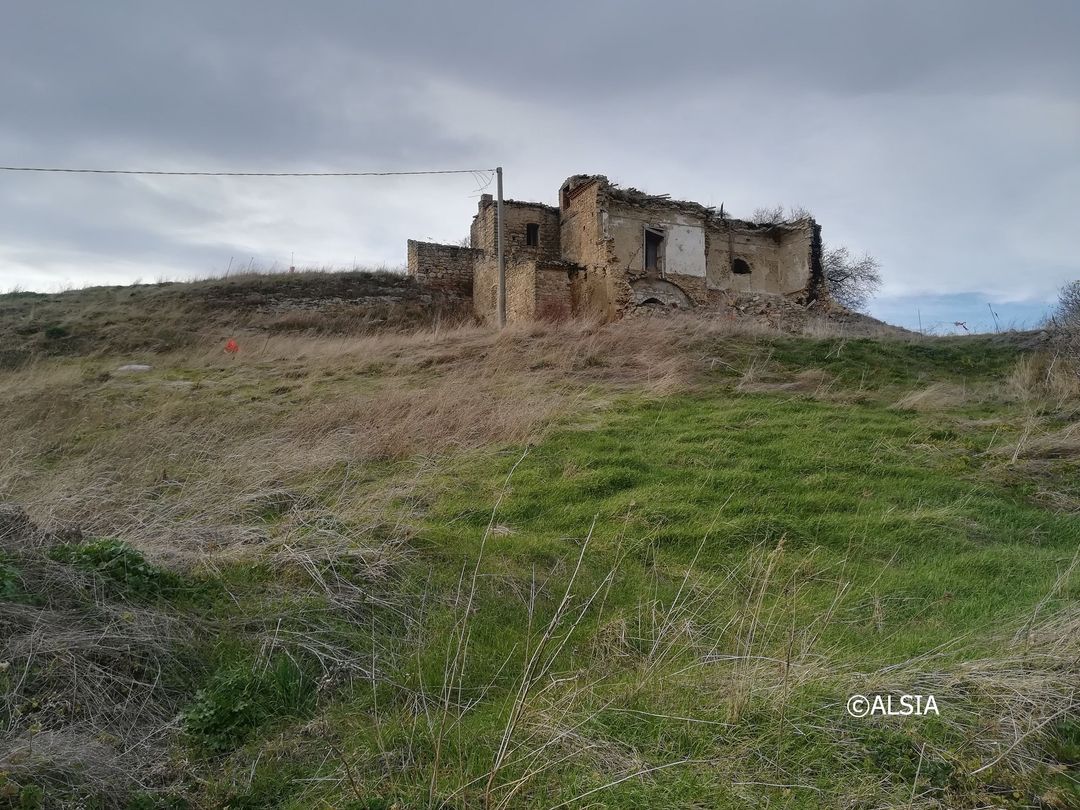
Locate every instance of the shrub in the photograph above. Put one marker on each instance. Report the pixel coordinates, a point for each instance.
(120, 565)
(1066, 323)
(239, 700)
(10, 583)
(150, 801)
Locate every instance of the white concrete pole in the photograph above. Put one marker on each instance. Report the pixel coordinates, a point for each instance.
(499, 251)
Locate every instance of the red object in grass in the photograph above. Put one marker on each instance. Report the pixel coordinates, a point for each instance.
(231, 347)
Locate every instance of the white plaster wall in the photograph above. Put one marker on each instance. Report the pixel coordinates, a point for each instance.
(684, 250)
(684, 242)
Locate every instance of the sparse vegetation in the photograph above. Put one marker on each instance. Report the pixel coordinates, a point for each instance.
(636, 565)
(168, 316)
(239, 700)
(120, 566)
(1066, 324)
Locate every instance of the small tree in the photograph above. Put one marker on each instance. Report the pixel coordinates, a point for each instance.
(852, 280)
(1067, 312)
(1066, 322)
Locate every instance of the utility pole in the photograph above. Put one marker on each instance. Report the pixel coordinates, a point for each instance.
(500, 254)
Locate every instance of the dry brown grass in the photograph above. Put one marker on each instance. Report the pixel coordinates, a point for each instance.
(813, 382)
(212, 454)
(318, 450)
(1033, 443)
(935, 397)
(1046, 380)
(86, 702)
(1047, 388)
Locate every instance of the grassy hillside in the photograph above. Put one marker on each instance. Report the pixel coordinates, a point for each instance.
(172, 315)
(639, 565)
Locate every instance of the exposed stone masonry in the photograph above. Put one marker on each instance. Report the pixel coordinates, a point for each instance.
(606, 251)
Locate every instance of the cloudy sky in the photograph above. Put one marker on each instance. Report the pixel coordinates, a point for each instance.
(942, 137)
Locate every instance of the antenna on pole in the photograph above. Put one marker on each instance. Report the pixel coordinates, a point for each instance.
(499, 252)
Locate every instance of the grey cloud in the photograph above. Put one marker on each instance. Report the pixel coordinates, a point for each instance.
(943, 137)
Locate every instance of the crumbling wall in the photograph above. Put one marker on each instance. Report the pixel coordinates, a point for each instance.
(554, 290)
(588, 256)
(780, 257)
(660, 292)
(535, 290)
(678, 278)
(447, 268)
(731, 240)
(584, 243)
(485, 287)
(579, 233)
(519, 215)
(794, 255)
(521, 257)
(683, 250)
(520, 290)
(702, 253)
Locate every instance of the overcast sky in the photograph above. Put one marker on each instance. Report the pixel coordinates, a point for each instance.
(942, 137)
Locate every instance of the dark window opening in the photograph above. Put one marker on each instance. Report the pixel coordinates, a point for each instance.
(653, 242)
(740, 266)
(532, 234)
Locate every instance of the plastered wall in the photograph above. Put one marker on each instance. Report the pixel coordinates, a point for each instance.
(590, 256)
(683, 244)
(779, 257)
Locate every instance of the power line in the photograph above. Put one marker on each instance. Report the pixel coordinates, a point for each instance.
(236, 174)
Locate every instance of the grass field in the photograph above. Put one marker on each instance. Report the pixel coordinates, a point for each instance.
(640, 565)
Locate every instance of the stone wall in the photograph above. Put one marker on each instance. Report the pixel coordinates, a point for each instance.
(584, 243)
(698, 254)
(520, 290)
(446, 268)
(554, 300)
(535, 290)
(519, 215)
(521, 258)
(485, 288)
(589, 256)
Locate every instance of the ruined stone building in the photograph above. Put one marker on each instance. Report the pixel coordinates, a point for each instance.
(606, 251)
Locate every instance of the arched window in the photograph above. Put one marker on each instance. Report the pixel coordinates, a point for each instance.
(740, 266)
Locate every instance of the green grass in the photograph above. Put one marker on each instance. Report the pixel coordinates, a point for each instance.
(123, 569)
(865, 484)
(878, 364)
(747, 561)
(842, 539)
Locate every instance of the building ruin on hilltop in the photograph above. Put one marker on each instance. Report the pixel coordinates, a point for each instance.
(606, 251)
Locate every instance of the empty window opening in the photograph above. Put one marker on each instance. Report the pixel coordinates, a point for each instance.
(654, 241)
(532, 234)
(740, 266)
